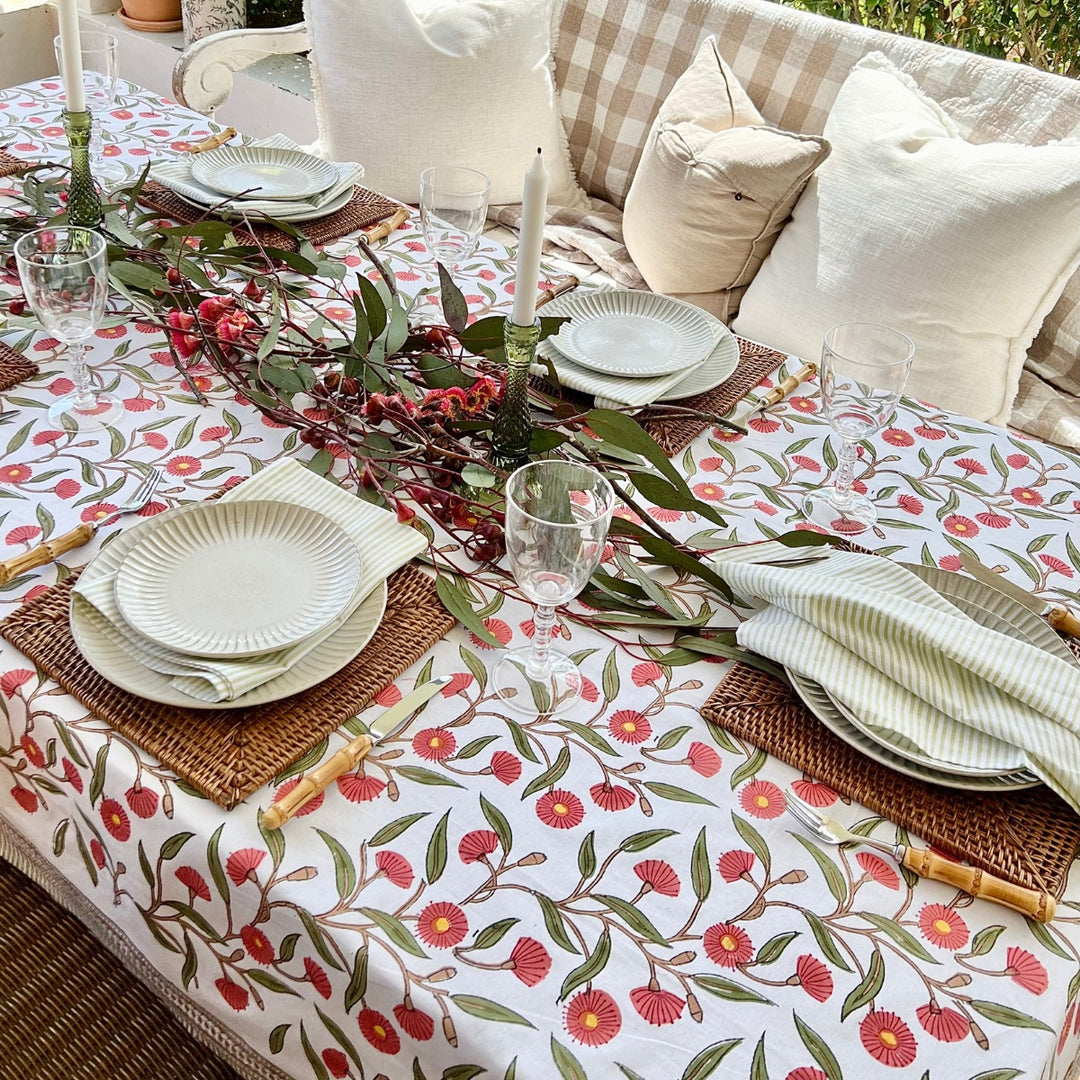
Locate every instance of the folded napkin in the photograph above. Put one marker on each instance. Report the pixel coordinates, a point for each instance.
(610, 390)
(176, 174)
(907, 662)
(383, 545)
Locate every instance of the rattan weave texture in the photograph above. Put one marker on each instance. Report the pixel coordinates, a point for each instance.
(14, 367)
(1029, 837)
(9, 163)
(227, 754)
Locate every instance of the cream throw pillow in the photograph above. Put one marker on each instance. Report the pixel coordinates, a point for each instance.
(402, 85)
(713, 188)
(963, 247)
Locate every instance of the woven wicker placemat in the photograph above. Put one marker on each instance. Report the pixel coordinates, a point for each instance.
(1029, 837)
(229, 753)
(673, 436)
(363, 209)
(14, 367)
(9, 163)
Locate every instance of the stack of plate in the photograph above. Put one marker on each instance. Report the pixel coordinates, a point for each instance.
(993, 766)
(239, 602)
(274, 179)
(636, 348)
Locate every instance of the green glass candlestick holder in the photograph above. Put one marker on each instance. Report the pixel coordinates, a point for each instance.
(511, 433)
(83, 203)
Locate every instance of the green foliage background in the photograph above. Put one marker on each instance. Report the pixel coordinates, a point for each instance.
(1045, 33)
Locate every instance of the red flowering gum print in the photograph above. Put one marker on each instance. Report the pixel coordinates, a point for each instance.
(762, 799)
(32, 751)
(115, 819)
(814, 977)
(878, 869)
(442, 925)
(337, 1064)
(476, 845)
(658, 876)
(498, 629)
(396, 868)
(74, 777)
(945, 1025)
(194, 881)
(942, 926)
(1025, 970)
(233, 993)
(656, 1006)
(241, 865)
(434, 744)
(143, 801)
(318, 977)
(98, 852)
(630, 726)
(258, 948)
(703, 759)
(592, 1018)
(644, 674)
(812, 792)
(309, 807)
(529, 961)
(611, 796)
(727, 945)
(10, 681)
(888, 1039)
(505, 767)
(806, 1072)
(735, 864)
(416, 1024)
(359, 787)
(378, 1031)
(560, 809)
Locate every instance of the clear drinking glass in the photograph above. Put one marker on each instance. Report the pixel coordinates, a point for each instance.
(65, 279)
(453, 208)
(101, 71)
(864, 368)
(557, 518)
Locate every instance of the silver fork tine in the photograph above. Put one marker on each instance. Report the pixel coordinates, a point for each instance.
(146, 488)
(803, 813)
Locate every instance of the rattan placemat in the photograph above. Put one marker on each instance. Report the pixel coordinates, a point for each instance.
(363, 209)
(1029, 837)
(14, 367)
(229, 753)
(9, 163)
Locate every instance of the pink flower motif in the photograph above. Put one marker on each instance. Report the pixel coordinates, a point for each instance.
(592, 1018)
(803, 404)
(909, 504)
(659, 513)
(727, 945)
(762, 799)
(734, 865)
(806, 1072)
(1052, 562)
(211, 434)
(656, 1006)
(949, 562)
(993, 520)
(98, 853)
(646, 673)
(114, 818)
(43, 437)
(807, 463)
(336, 1062)
(396, 868)
(530, 961)
(1017, 461)
(703, 759)
(933, 434)
(258, 947)
(460, 681)
(766, 508)
(434, 744)
(560, 809)
(498, 629)
(505, 767)
(387, 696)
(26, 798)
(888, 1039)
(1025, 970)
(945, 1025)
(943, 927)
(709, 492)
(897, 437)
(442, 925)
(416, 1024)
(74, 777)
(194, 882)
(359, 787)
(235, 995)
(318, 977)
(878, 869)
(183, 465)
(10, 681)
(658, 876)
(477, 845)
(1027, 496)
(155, 439)
(630, 726)
(814, 977)
(15, 474)
(241, 865)
(711, 464)
(814, 793)
(142, 800)
(612, 796)
(959, 525)
(32, 751)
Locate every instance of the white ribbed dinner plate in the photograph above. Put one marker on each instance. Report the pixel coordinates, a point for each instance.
(717, 368)
(235, 579)
(634, 334)
(107, 655)
(263, 172)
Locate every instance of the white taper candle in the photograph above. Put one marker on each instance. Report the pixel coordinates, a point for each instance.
(530, 244)
(71, 56)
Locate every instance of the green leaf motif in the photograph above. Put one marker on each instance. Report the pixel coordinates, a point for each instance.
(706, 1062)
(594, 963)
(671, 738)
(586, 858)
(749, 768)
(593, 738)
(610, 680)
(462, 1072)
(287, 948)
(395, 930)
(833, 878)
(634, 917)
(700, 871)
(493, 934)
(553, 920)
(1042, 935)
(344, 871)
(729, 990)
(419, 775)
(277, 1038)
(392, 830)
(313, 1059)
(868, 989)
(172, 847)
(774, 948)
(628, 1072)
(819, 1049)
(823, 937)
(191, 962)
(758, 1068)
(998, 1074)
(357, 987)
(454, 599)
(550, 775)
(340, 1038)
(314, 931)
(1008, 1016)
(485, 1009)
(436, 850)
(497, 820)
(569, 1067)
(270, 982)
(639, 841)
(676, 794)
(752, 838)
(905, 940)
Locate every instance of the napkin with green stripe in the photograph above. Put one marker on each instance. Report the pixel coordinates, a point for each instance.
(906, 661)
(383, 545)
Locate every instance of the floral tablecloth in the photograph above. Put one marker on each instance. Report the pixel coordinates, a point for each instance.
(616, 894)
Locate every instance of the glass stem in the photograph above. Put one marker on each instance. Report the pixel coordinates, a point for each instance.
(84, 397)
(845, 474)
(539, 662)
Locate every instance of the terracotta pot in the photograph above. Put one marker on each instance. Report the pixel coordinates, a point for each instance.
(152, 10)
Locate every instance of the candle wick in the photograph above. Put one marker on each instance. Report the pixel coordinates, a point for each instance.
(538, 150)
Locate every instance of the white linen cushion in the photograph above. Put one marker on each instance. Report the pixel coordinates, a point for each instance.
(402, 85)
(964, 247)
(713, 188)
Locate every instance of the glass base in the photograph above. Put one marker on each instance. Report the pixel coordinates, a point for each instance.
(556, 692)
(847, 516)
(66, 415)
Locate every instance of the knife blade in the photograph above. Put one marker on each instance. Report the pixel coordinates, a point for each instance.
(386, 724)
(1060, 618)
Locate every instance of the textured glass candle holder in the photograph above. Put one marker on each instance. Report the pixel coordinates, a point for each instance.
(83, 204)
(511, 433)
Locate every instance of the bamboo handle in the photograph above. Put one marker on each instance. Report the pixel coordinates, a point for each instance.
(342, 762)
(385, 228)
(214, 141)
(45, 553)
(1040, 906)
(563, 285)
(781, 390)
(1064, 620)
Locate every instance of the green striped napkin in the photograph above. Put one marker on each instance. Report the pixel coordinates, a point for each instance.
(383, 544)
(909, 663)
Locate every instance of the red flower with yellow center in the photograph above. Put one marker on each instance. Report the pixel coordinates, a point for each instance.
(110, 332)
(378, 1031)
(593, 1018)
(183, 465)
(763, 799)
(709, 492)
(727, 945)
(15, 474)
(1027, 496)
(259, 949)
(560, 809)
(942, 926)
(434, 744)
(803, 404)
(898, 437)
(115, 819)
(32, 751)
(959, 525)
(630, 726)
(888, 1039)
(442, 925)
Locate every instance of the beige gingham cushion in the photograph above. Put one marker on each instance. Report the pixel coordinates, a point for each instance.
(616, 60)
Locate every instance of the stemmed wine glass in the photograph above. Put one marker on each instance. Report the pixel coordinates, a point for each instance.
(557, 518)
(101, 71)
(65, 278)
(864, 368)
(453, 207)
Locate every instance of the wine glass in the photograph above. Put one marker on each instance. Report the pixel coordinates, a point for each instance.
(65, 279)
(101, 72)
(453, 208)
(557, 518)
(864, 367)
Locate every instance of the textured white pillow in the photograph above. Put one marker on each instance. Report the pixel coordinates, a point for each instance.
(402, 85)
(963, 247)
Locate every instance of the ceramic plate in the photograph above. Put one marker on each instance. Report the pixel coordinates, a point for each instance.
(259, 210)
(237, 578)
(719, 366)
(634, 334)
(263, 172)
(116, 664)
